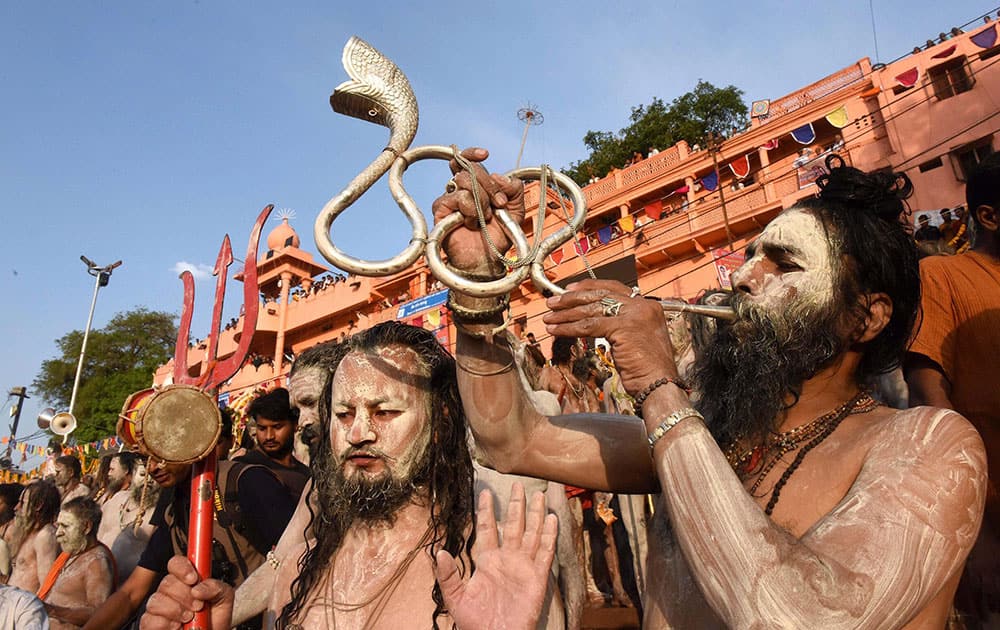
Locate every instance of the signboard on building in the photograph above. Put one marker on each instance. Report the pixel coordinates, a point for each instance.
(725, 263)
(421, 304)
(810, 171)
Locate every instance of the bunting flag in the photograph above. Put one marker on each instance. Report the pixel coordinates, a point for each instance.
(558, 255)
(654, 209)
(909, 78)
(582, 246)
(710, 181)
(838, 117)
(985, 38)
(760, 108)
(946, 52)
(770, 145)
(434, 317)
(805, 134)
(740, 166)
(627, 224)
(417, 321)
(604, 235)
(681, 191)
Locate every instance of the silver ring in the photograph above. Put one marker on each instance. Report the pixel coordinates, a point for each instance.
(611, 307)
(451, 186)
(635, 292)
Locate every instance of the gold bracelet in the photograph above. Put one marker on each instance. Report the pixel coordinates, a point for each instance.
(672, 421)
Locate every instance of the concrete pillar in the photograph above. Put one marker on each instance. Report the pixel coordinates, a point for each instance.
(279, 342)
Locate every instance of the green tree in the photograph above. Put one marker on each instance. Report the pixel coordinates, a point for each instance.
(120, 359)
(688, 117)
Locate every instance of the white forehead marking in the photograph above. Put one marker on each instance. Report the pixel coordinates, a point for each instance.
(802, 233)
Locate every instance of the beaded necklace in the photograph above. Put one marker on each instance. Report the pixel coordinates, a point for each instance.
(577, 391)
(761, 459)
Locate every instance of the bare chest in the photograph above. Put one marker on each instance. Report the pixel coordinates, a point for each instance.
(799, 488)
(365, 590)
(813, 489)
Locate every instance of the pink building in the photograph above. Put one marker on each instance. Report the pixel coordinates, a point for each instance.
(675, 223)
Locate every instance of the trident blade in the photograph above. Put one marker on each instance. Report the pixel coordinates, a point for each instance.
(251, 306)
(184, 331)
(221, 275)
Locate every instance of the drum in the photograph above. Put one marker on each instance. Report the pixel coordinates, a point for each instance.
(177, 424)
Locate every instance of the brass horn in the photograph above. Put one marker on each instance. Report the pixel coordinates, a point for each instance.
(45, 418)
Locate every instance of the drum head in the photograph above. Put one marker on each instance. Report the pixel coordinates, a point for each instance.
(180, 424)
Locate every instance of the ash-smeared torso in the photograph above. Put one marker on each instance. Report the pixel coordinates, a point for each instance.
(85, 582)
(380, 577)
(35, 555)
(886, 508)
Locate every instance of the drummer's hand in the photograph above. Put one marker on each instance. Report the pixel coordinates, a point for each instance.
(180, 594)
(638, 335)
(466, 248)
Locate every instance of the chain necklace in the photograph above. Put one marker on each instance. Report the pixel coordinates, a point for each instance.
(761, 459)
(382, 595)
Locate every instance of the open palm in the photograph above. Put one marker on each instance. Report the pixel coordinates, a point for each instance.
(508, 587)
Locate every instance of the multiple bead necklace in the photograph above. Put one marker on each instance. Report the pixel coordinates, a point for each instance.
(761, 459)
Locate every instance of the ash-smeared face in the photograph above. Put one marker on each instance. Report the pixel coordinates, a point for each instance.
(791, 262)
(304, 389)
(71, 532)
(381, 413)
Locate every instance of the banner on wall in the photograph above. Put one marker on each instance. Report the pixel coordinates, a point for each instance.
(812, 170)
(725, 263)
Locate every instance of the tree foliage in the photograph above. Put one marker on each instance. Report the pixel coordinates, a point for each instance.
(688, 117)
(120, 359)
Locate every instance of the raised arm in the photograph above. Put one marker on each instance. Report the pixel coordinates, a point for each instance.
(589, 450)
(896, 539)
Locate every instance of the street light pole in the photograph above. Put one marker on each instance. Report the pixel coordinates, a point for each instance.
(102, 275)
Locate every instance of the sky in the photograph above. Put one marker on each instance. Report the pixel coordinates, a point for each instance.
(144, 131)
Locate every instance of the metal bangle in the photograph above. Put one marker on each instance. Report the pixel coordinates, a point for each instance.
(471, 315)
(672, 421)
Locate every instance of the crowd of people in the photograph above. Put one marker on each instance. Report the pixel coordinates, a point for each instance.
(745, 472)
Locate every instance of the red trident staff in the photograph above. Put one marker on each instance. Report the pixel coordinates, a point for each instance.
(214, 373)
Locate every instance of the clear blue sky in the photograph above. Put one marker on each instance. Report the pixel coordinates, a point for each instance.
(144, 131)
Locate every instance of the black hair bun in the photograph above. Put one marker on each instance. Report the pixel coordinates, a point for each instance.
(879, 193)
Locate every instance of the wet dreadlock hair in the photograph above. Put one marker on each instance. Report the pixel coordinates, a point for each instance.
(865, 215)
(447, 472)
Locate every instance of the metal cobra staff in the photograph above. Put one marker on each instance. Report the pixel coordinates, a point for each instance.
(379, 92)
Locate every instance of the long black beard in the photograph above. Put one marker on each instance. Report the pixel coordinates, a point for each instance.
(754, 368)
(369, 500)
